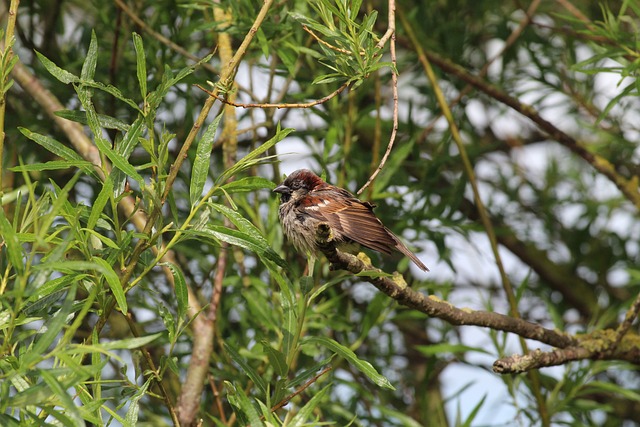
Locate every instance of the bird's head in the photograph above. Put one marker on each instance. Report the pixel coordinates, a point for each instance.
(298, 184)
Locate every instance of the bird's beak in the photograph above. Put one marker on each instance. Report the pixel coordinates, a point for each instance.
(282, 189)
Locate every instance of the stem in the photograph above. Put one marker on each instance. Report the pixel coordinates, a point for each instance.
(7, 56)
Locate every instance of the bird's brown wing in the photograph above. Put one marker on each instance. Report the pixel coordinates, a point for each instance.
(351, 219)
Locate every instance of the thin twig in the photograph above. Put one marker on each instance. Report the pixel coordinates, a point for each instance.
(218, 400)
(279, 106)
(631, 315)
(322, 42)
(391, 25)
(287, 399)
(589, 346)
(394, 85)
(577, 13)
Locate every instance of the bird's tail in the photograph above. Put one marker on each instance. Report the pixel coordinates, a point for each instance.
(402, 248)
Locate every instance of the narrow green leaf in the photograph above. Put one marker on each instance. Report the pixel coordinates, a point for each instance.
(263, 249)
(239, 238)
(57, 72)
(105, 147)
(91, 61)
(53, 165)
(362, 365)
(66, 267)
(27, 397)
(180, 285)
(8, 421)
(276, 358)
(609, 388)
(114, 282)
(246, 410)
(303, 417)
(283, 283)
(131, 418)
(289, 329)
(328, 78)
(106, 122)
(141, 64)
(125, 148)
(12, 243)
(114, 91)
(266, 415)
(63, 207)
(306, 284)
(54, 285)
(42, 306)
(405, 420)
(241, 223)
(53, 328)
(118, 161)
(474, 412)
(100, 202)
(14, 195)
(18, 380)
(64, 400)
(130, 343)
(248, 183)
(396, 161)
(200, 170)
(169, 80)
(52, 145)
(307, 374)
(255, 377)
(615, 101)
(130, 139)
(248, 160)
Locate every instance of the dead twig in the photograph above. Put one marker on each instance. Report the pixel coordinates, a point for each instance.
(279, 106)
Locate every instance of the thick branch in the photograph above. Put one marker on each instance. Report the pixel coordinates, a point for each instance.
(397, 289)
(537, 359)
(599, 345)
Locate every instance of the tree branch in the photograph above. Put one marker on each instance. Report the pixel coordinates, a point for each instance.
(598, 345)
(396, 288)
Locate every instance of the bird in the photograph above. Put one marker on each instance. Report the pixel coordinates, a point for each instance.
(306, 201)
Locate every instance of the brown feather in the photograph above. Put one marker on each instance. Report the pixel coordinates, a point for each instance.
(349, 218)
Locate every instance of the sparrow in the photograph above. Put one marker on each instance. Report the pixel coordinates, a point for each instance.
(307, 201)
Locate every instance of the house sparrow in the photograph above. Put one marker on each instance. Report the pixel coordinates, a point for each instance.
(307, 201)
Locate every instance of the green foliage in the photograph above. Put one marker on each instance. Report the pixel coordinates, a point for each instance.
(117, 246)
(349, 48)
